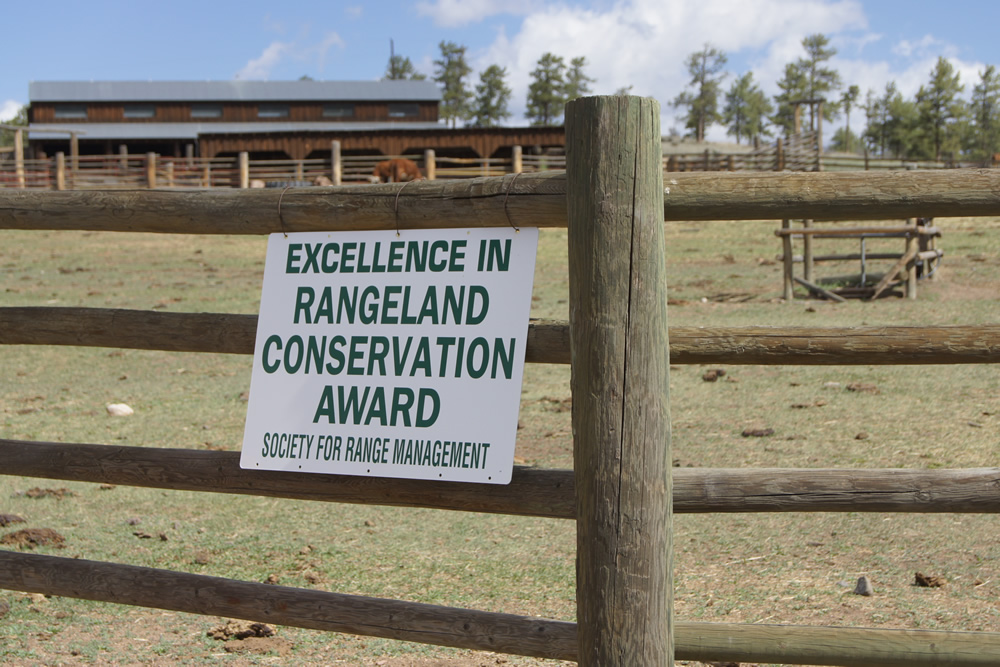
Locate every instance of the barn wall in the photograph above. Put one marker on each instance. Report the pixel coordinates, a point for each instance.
(234, 112)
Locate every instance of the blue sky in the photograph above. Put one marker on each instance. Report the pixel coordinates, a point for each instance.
(638, 43)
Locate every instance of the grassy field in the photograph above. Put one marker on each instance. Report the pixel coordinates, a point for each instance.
(792, 568)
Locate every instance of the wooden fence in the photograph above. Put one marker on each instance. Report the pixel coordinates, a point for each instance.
(126, 171)
(620, 491)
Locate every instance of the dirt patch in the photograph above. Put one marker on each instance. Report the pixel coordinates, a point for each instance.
(241, 630)
(250, 637)
(261, 645)
(8, 519)
(58, 494)
(29, 538)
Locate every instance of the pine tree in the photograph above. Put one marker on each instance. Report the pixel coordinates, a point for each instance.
(792, 87)
(492, 97)
(746, 109)
(940, 107)
(577, 83)
(20, 118)
(847, 100)
(807, 79)
(844, 140)
(450, 72)
(984, 137)
(820, 79)
(400, 68)
(547, 91)
(705, 67)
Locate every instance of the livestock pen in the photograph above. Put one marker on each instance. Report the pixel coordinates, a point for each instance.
(616, 341)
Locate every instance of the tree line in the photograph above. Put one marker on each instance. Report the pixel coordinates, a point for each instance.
(553, 83)
(936, 123)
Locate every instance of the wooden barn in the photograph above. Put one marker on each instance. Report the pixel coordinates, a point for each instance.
(268, 119)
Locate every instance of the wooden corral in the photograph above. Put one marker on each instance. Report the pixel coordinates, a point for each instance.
(462, 142)
(620, 491)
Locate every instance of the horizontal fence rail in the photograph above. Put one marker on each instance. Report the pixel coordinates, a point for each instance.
(298, 607)
(479, 630)
(547, 342)
(531, 200)
(536, 492)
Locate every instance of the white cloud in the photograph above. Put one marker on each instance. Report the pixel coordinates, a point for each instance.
(9, 109)
(354, 11)
(452, 13)
(332, 39)
(906, 49)
(260, 68)
(643, 43)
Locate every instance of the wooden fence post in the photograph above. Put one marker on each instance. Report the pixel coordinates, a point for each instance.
(300, 170)
(336, 165)
(151, 170)
(779, 155)
(123, 158)
(168, 169)
(788, 266)
(807, 251)
(430, 164)
(60, 171)
(74, 157)
(618, 333)
(244, 165)
(19, 158)
(516, 160)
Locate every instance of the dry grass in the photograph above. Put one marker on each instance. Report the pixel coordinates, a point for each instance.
(794, 568)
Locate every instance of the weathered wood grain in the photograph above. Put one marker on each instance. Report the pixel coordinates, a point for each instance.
(534, 199)
(532, 491)
(548, 341)
(621, 422)
(478, 630)
(298, 607)
(848, 647)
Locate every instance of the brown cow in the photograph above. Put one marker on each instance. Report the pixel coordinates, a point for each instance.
(396, 170)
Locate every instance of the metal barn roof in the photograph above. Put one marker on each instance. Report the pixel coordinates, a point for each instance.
(222, 91)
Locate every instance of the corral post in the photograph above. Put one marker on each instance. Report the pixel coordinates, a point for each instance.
(787, 261)
(516, 160)
(151, 170)
(336, 166)
(430, 164)
(807, 251)
(819, 138)
(779, 155)
(60, 171)
(168, 169)
(74, 157)
(244, 165)
(300, 170)
(19, 157)
(620, 361)
(123, 158)
(912, 247)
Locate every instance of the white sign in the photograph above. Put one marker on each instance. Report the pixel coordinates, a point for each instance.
(391, 355)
